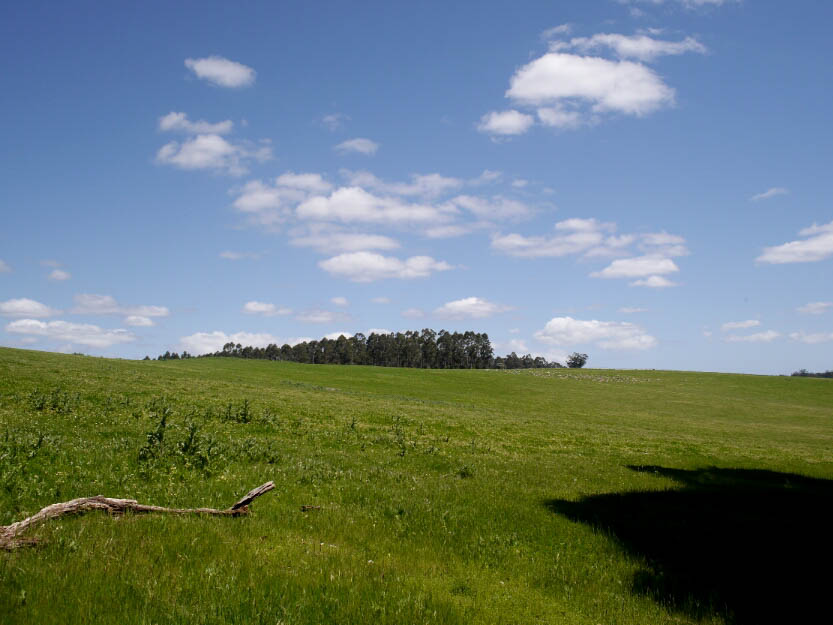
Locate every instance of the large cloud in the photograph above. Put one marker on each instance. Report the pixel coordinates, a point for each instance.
(573, 84)
(566, 331)
(604, 85)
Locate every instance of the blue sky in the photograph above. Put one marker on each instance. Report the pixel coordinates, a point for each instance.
(646, 181)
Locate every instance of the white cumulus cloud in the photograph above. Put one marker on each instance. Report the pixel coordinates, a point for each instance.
(211, 151)
(566, 331)
(59, 275)
(340, 301)
(265, 309)
(354, 204)
(470, 308)
(368, 266)
(505, 123)
(4, 267)
(817, 245)
(637, 267)
(25, 307)
(221, 71)
(594, 84)
(73, 333)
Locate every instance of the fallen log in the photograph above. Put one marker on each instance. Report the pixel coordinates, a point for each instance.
(10, 534)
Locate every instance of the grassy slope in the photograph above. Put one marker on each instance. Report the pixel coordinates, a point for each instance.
(443, 493)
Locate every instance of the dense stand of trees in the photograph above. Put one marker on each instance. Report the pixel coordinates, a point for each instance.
(803, 373)
(426, 350)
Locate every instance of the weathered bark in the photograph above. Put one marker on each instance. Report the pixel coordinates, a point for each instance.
(10, 534)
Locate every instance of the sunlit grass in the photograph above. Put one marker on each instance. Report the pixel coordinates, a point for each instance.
(433, 486)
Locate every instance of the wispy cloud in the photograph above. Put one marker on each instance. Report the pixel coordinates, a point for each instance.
(758, 337)
(358, 145)
(817, 245)
(812, 338)
(815, 308)
(740, 325)
(772, 192)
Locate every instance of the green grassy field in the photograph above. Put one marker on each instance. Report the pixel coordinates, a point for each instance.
(540, 496)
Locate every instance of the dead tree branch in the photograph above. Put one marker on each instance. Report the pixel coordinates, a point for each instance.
(10, 534)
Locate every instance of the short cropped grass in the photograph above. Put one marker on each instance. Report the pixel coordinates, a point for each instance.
(537, 496)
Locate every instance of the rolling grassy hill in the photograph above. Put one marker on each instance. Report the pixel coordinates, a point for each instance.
(446, 496)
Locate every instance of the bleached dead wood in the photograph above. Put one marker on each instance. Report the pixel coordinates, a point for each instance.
(10, 534)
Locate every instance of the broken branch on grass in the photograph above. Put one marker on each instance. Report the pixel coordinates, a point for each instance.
(10, 534)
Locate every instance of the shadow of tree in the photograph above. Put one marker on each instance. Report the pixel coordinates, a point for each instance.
(754, 546)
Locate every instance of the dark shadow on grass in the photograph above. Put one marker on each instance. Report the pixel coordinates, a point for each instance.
(754, 546)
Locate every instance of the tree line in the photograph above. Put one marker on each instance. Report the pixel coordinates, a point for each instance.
(803, 373)
(427, 349)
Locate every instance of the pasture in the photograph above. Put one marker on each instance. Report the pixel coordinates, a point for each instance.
(437, 496)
